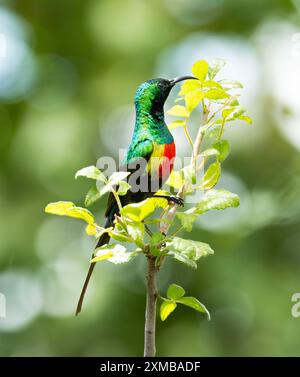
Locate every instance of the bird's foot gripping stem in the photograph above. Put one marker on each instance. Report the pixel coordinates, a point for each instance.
(172, 199)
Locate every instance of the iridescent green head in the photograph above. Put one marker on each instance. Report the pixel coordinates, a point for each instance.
(151, 95)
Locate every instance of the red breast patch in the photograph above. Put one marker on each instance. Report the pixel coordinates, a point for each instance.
(168, 162)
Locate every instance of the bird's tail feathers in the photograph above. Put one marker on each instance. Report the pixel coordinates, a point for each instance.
(104, 239)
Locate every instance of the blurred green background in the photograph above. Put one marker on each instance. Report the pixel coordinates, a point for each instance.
(68, 73)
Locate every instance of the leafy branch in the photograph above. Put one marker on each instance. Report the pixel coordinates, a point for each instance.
(139, 224)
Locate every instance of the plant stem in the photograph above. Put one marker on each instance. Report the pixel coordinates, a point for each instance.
(150, 315)
(170, 211)
(187, 134)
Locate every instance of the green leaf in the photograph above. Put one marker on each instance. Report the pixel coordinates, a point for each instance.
(175, 292)
(223, 147)
(233, 102)
(91, 230)
(59, 208)
(103, 256)
(120, 234)
(211, 176)
(81, 213)
(117, 177)
(189, 174)
(69, 209)
(212, 84)
(193, 303)
(182, 249)
(156, 238)
(92, 196)
(176, 124)
(238, 111)
(113, 181)
(91, 172)
(166, 308)
(214, 133)
(186, 176)
(157, 221)
(175, 179)
(217, 199)
(187, 219)
(136, 230)
(113, 253)
(226, 112)
(182, 258)
(245, 118)
(216, 94)
(188, 86)
(139, 211)
(192, 100)
(123, 188)
(230, 84)
(193, 249)
(210, 152)
(200, 70)
(215, 67)
(179, 111)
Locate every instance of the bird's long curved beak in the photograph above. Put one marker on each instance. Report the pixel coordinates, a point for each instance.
(182, 78)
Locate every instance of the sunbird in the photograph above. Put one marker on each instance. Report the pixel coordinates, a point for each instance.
(151, 154)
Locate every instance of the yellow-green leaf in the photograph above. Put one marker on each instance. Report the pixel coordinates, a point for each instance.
(113, 180)
(81, 213)
(211, 176)
(200, 69)
(176, 124)
(194, 250)
(212, 84)
(215, 67)
(192, 99)
(188, 86)
(175, 179)
(233, 102)
(175, 292)
(179, 111)
(69, 209)
(92, 196)
(216, 94)
(217, 200)
(223, 147)
(113, 253)
(91, 172)
(123, 188)
(245, 118)
(139, 211)
(230, 84)
(195, 304)
(210, 152)
(187, 218)
(227, 112)
(166, 308)
(136, 230)
(91, 230)
(101, 257)
(59, 208)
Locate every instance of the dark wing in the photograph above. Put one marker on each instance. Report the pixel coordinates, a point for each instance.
(137, 158)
